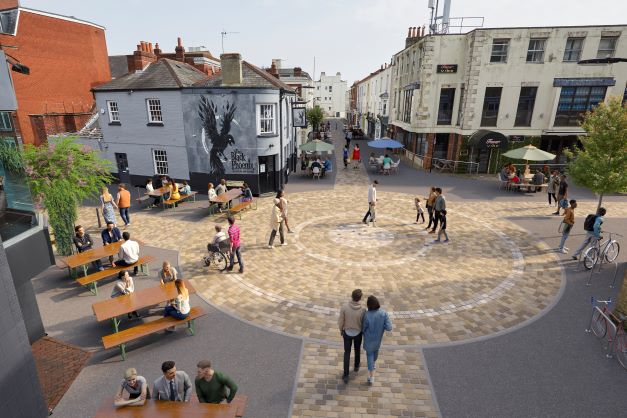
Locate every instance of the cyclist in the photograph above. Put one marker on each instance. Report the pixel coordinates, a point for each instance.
(593, 235)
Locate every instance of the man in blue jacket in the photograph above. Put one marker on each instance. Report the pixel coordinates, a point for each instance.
(110, 235)
(594, 235)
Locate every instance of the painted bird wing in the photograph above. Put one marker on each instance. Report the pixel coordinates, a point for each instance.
(227, 119)
(207, 112)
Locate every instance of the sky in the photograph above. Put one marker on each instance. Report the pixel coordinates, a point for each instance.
(353, 37)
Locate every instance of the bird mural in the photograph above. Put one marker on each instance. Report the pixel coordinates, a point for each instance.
(208, 112)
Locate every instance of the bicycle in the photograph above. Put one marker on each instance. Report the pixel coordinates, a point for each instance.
(216, 259)
(605, 319)
(600, 251)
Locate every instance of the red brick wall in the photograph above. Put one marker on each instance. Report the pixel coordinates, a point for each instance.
(51, 124)
(426, 162)
(66, 59)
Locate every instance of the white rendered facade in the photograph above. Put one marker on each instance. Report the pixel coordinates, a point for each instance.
(373, 102)
(330, 95)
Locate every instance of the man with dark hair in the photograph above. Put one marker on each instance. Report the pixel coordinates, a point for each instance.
(438, 206)
(594, 234)
(235, 245)
(211, 385)
(562, 193)
(129, 253)
(110, 235)
(174, 385)
(372, 202)
(350, 323)
(83, 242)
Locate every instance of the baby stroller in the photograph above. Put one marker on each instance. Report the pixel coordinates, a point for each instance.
(217, 257)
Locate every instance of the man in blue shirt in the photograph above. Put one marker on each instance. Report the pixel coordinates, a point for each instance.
(593, 235)
(110, 235)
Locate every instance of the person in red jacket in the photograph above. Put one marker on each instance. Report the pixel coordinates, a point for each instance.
(356, 156)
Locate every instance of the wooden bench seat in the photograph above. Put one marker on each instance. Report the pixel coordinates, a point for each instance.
(92, 279)
(121, 338)
(239, 208)
(184, 197)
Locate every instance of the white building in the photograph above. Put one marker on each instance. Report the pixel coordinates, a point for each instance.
(330, 95)
(372, 102)
(502, 85)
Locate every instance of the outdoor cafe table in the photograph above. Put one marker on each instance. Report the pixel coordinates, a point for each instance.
(158, 409)
(121, 305)
(227, 196)
(86, 257)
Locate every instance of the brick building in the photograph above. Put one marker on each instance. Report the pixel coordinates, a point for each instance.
(67, 57)
(145, 54)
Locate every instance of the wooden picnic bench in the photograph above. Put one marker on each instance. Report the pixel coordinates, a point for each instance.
(93, 278)
(83, 259)
(237, 209)
(119, 339)
(224, 198)
(184, 197)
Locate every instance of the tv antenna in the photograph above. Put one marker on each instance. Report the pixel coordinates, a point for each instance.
(224, 33)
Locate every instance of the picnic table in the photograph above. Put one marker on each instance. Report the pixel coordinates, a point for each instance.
(83, 259)
(158, 409)
(227, 197)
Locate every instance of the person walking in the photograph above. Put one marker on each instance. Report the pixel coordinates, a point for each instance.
(376, 321)
(552, 186)
(345, 156)
(283, 202)
(350, 323)
(107, 206)
(234, 232)
(562, 194)
(438, 207)
(123, 202)
(442, 230)
(430, 203)
(419, 211)
(567, 225)
(276, 222)
(356, 156)
(372, 202)
(591, 234)
(348, 137)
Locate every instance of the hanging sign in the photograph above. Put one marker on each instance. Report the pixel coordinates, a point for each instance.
(447, 68)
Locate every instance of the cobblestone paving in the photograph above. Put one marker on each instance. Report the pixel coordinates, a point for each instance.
(491, 276)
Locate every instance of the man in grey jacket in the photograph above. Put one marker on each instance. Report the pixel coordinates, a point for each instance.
(173, 385)
(438, 207)
(350, 323)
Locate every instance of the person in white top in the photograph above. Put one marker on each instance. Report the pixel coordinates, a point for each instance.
(124, 286)
(218, 239)
(150, 189)
(129, 253)
(178, 308)
(372, 200)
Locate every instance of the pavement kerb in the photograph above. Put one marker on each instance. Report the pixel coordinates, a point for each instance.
(434, 398)
(295, 387)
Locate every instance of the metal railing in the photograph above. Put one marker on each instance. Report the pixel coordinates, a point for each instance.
(441, 164)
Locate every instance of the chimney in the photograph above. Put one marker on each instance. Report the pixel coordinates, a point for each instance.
(231, 69)
(273, 70)
(423, 30)
(179, 51)
(409, 33)
(141, 58)
(157, 51)
(298, 72)
(277, 63)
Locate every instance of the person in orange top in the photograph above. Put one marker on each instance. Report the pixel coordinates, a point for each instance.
(124, 203)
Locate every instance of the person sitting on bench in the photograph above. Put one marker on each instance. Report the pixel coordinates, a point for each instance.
(136, 387)
(129, 253)
(213, 386)
(110, 235)
(124, 286)
(247, 193)
(151, 189)
(167, 273)
(186, 189)
(174, 385)
(178, 308)
(83, 242)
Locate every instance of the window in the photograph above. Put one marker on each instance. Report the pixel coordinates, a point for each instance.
(526, 101)
(499, 50)
(572, 52)
(607, 46)
(330, 89)
(574, 101)
(535, 52)
(491, 103)
(114, 113)
(445, 109)
(154, 111)
(265, 122)
(5, 121)
(409, 93)
(160, 159)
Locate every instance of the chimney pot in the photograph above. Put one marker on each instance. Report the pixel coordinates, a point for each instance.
(423, 30)
(149, 46)
(179, 42)
(231, 69)
(139, 47)
(409, 33)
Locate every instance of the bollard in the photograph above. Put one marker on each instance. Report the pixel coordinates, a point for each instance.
(98, 216)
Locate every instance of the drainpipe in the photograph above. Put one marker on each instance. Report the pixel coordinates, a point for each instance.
(281, 97)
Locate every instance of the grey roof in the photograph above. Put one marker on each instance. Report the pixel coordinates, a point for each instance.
(252, 76)
(289, 72)
(161, 75)
(118, 65)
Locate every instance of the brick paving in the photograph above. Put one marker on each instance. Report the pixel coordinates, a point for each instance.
(58, 364)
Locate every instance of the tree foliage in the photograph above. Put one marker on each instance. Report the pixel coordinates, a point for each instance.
(61, 175)
(601, 165)
(10, 158)
(315, 117)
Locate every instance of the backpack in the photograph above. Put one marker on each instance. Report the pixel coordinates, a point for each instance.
(588, 224)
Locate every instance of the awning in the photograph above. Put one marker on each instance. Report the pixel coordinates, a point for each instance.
(487, 139)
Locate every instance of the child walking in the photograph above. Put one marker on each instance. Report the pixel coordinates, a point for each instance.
(442, 230)
(419, 211)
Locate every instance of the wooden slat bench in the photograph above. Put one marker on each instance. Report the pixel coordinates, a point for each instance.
(94, 278)
(239, 208)
(121, 338)
(184, 197)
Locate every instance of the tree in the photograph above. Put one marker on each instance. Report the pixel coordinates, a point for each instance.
(601, 164)
(315, 117)
(60, 175)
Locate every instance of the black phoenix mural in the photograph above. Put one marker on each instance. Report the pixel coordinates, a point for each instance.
(208, 112)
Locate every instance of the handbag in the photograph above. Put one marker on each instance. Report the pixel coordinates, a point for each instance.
(563, 203)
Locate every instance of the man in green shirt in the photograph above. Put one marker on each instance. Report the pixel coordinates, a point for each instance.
(211, 385)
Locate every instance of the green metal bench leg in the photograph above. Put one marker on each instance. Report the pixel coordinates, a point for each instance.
(94, 288)
(123, 350)
(144, 269)
(191, 327)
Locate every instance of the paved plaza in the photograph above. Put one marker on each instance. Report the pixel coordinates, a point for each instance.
(494, 276)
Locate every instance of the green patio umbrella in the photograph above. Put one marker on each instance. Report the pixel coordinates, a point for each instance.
(316, 146)
(529, 153)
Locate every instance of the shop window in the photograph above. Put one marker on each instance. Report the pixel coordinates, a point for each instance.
(491, 103)
(575, 101)
(445, 108)
(526, 102)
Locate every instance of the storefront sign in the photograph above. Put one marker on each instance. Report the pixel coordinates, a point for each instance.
(584, 82)
(299, 117)
(516, 138)
(493, 143)
(240, 163)
(447, 68)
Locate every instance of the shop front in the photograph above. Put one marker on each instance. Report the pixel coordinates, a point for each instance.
(485, 148)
